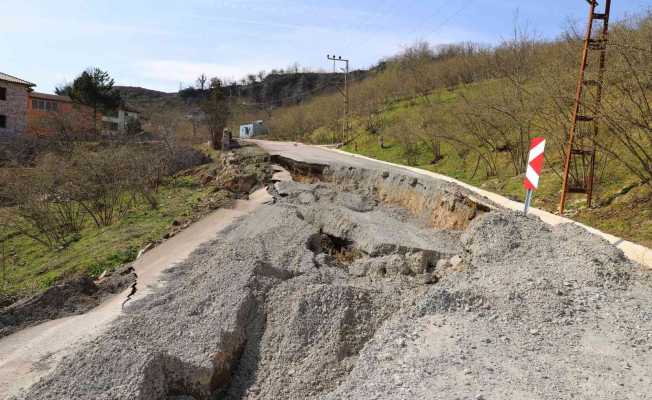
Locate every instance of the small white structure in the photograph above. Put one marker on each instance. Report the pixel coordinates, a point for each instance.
(119, 122)
(253, 129)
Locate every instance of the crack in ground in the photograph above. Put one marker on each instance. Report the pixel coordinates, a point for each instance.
(134, 289)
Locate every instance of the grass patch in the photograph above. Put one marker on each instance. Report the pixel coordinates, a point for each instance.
(628, 216)
(31, 267)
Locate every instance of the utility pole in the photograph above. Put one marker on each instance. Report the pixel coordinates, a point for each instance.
(580, 150)
(345, 93)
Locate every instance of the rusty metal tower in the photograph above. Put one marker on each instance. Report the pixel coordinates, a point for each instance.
(580, 149)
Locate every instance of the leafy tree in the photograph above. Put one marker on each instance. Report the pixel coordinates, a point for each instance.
(93, 88)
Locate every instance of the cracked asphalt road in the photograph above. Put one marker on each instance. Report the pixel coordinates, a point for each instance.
(33, 352)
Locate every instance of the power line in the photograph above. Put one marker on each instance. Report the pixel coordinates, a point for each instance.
(426, 21)
(382, 11)
(349, 81)
(281, 100)
(452, 16)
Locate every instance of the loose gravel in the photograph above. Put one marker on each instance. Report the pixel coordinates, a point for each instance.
(443, 298)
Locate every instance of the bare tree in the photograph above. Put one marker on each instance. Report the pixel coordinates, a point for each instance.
(415, 62)
(433, 128)
(505, 115)
(41, 202)
(627, 107)
(406, 132)
(201, 82)
(369, 100)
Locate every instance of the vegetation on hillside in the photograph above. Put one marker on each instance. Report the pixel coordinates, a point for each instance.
(254, 97)
(93, 88)
(469, 111)
(82, 206)
(73, 205)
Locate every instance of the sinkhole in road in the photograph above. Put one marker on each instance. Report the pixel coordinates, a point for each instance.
(301, 171)
(342, 250)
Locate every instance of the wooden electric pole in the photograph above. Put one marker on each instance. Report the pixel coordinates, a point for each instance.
(345, 93)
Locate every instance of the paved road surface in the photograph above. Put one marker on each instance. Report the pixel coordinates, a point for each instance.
(324, 155)
(31, 353)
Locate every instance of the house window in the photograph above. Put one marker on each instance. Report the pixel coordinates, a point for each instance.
(3, 121)
(44, 105)
(3, 93)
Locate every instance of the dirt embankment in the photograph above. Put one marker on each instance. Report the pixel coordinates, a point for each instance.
(233, 175)
(71, 297)
(348, 289)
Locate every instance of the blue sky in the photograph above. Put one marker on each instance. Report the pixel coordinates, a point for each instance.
(160, 44)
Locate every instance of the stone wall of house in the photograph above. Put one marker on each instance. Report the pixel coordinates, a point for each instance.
(15, 109)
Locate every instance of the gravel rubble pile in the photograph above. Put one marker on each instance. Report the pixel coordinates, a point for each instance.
(343, 291)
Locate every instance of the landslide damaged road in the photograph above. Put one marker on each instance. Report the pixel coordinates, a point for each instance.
(31, 353)
(375, 283)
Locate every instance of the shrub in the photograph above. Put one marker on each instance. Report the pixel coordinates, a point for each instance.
(41, 204)
(185, 157)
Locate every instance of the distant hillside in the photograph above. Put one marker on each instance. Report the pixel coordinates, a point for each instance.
(288, 89)
(148, 101)
(275, 90)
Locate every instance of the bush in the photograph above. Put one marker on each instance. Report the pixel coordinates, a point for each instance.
(42, 206)
(51, 201)
(185, 157)
(408, 134)
(323, 135)
(105, 181)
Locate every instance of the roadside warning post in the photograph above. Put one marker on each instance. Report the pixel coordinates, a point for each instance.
(534, 167)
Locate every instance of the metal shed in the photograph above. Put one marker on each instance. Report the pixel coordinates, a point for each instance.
(256, 128)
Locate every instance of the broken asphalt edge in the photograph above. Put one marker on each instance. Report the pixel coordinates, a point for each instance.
(633, 251)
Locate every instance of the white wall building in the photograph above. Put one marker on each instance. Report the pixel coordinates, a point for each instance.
(118, 123)
(253, 129)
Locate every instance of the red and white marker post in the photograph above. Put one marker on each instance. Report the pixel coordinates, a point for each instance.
(534, 167)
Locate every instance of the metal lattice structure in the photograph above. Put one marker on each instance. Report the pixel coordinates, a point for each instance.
(580, 149)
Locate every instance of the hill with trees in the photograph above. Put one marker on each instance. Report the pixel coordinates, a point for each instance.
(254, 97)
(466, 110)
(469, 111)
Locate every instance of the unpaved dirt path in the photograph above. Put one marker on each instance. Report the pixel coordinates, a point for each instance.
(30, 354)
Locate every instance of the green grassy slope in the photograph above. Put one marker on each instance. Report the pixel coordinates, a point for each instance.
(627, 215)
(30, 266)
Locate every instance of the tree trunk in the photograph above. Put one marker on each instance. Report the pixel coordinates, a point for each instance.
(215, 140)
(95, 119)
